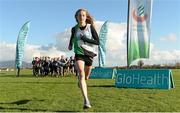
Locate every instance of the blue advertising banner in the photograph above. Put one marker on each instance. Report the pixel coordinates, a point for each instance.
(21, 42)
(103, 73)
(157, 78)
(102, 44)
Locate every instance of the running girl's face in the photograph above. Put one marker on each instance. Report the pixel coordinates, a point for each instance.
(81, 16)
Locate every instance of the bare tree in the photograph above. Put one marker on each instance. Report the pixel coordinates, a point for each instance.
(177, 65)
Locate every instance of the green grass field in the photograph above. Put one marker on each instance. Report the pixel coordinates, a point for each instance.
(29, 94)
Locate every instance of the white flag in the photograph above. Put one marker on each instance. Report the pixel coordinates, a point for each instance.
(139, 29)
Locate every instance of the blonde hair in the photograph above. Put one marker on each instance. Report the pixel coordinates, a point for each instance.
(89, 18)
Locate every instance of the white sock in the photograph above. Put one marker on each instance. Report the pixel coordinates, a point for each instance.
(87, 103)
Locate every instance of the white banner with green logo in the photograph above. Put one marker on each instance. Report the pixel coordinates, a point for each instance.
(139, 29)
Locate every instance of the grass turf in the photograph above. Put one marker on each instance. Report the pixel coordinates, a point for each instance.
(29, 94)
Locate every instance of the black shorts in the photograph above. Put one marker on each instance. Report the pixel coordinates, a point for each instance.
(88, 60)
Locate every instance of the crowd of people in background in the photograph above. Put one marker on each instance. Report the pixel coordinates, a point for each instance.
(58, 66)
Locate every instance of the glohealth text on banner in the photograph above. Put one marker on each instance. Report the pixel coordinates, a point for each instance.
(103, 73)
(156, 78)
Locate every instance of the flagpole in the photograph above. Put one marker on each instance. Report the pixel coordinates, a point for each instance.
(98, 55)
(128, 30)
(15, 69)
